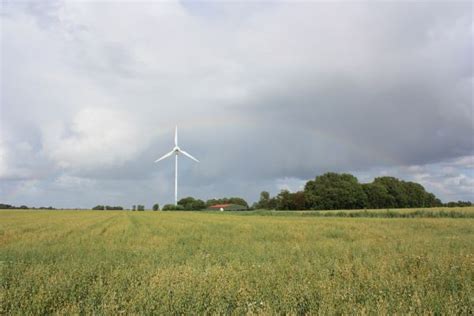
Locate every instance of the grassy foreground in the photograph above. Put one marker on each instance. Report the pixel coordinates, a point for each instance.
(186, 262)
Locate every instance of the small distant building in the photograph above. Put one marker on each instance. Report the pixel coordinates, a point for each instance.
(227, 207)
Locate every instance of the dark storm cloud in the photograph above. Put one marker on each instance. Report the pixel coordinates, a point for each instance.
(266, 96)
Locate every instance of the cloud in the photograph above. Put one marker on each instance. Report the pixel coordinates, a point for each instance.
(452, 179)
(266, 95)
(97, 138)
(19, 160)
(67, 181)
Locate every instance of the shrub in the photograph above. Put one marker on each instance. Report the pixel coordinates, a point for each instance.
(172, 207)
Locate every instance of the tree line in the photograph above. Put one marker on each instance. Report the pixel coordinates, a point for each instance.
(192, 204)
(334, 191)
(330, 191)
(107, 208)
(23, 207)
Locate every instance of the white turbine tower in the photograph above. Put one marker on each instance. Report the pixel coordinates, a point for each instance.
(176, 151)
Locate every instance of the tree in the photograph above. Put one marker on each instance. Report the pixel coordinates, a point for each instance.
(432, 201)
(377, 196)
(390, 192)
(134, 208)
(156, 207)
(238, 201)
(332, 191)
(264, 200)
(415, 194)
(192, 204)
(458, 204)
(231, 200)
(298, 201)
(286, 200)
(272, 203)
(283, 200)
(396, 189)
(140, 207)
(264, 196)
(107, 207)
(406, 193)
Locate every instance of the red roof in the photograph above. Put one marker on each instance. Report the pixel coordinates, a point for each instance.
(219, 205)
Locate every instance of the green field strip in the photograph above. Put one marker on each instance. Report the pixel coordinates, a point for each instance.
(191, 262)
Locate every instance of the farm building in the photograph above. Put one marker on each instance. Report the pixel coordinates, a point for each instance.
(227, 207)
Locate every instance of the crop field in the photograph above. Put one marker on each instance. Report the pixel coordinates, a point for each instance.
(113, 262)
(434, 212)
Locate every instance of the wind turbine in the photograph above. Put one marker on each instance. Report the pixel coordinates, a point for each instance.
(176, 151)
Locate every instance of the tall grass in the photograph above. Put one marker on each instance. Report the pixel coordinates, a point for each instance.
(189, 262)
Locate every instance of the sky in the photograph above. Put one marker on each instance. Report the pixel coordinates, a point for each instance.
(267, 95)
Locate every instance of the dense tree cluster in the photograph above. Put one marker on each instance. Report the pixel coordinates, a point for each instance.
(230, 200)
(8, 206)
(138, 207)
(23, 207)
(192, 204)
(459, 204)
(107, 208)
(333, 191)
(391, 192)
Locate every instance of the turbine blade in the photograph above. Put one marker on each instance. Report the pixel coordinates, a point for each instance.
(176, 136)
(188, 155)
(165, 156)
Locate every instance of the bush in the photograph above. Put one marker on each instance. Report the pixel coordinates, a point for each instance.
(172, 207)
(156, 207)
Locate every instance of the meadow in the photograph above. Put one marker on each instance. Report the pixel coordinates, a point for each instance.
(114, 262)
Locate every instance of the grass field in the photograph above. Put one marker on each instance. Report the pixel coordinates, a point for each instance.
(434, 212)
(187, 262)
